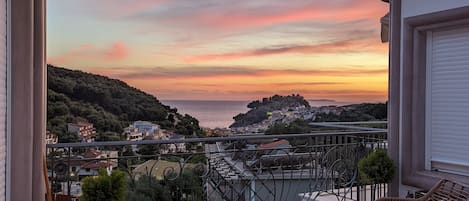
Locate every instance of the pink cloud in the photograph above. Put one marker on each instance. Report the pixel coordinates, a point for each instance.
(238, 16)
(242, 20)
(333, 47)
(117, 51)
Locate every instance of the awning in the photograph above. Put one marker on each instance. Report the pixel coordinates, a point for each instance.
(385, 28)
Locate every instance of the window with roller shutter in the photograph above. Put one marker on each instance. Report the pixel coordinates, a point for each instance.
(447, 107)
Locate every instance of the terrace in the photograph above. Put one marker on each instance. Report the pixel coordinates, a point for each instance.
(313, 166)
(427, 134)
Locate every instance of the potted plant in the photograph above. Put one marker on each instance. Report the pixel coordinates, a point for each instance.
(376, 168)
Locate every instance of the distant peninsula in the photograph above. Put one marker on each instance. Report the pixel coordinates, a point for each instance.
(294, 111)
(259, 109)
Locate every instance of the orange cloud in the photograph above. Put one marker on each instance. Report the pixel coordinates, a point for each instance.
(203, 73)
(355, 84)
(117, 51)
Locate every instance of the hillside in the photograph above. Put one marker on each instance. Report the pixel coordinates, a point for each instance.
(356, 112)
(259, 109)
(109, 104)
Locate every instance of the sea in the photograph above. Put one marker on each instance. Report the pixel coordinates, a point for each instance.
(220, 113)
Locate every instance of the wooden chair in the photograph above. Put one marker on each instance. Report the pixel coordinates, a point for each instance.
(444, 190)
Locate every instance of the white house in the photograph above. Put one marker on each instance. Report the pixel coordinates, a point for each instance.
(176, 147)
(135, 136)
(146, 127)
(428, 92)
(92, 168)
(141, 129)
(51, 138)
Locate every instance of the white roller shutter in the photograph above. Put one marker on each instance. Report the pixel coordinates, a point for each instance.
(447, 108)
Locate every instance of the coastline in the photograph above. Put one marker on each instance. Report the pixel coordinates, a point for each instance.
(219, 113)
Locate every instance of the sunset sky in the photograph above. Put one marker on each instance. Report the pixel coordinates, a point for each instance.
(226, 49)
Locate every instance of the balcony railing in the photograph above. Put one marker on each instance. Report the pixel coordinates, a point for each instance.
(303, 167)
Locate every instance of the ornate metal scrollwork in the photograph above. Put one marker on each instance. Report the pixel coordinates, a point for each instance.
(61, 169)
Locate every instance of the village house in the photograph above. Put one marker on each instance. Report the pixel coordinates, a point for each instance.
(147, 128)
(176, 147)
(141, 129)
(132, 134)
(83, 165)
(51, 138)
(84, 130)
(277, 147)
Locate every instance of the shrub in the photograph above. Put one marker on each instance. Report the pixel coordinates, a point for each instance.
(105, 187)
(376, 168)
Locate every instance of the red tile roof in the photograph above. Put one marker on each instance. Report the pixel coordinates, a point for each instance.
(96, 165)
(273, 144)
(91, 154)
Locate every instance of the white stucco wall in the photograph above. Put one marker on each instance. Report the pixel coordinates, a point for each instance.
(418, 7)
(412, 8)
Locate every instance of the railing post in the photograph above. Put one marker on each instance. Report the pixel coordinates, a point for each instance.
(52, 173)
(68, 175)
(252, 187)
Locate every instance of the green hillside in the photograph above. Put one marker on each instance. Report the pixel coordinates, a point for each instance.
(109, 104)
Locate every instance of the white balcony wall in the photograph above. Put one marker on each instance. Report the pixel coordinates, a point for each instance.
(410, 8)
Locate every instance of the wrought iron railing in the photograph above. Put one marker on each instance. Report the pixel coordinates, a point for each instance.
(304, 167)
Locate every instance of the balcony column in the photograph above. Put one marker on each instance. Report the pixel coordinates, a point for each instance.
(394, 93)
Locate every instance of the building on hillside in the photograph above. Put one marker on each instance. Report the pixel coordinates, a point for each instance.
(141, 129)
(176, 147)
(111, 156)
(277, 147)
(89, 163)
(84, 130)
(75, 192)
(51, 138)
(209, 132)
(92, 168)
(134, 136)
(147, 128)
